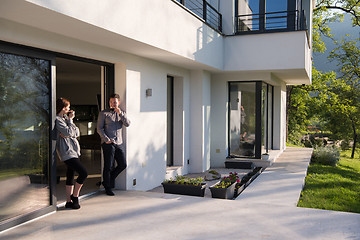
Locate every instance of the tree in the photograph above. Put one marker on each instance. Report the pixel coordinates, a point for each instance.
(299, 101)
(342, 96)
(327, 11)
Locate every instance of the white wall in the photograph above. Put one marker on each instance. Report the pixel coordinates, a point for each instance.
(219, 121)
(272, 51)
(200, 101)
(161, 24)
(146, 137)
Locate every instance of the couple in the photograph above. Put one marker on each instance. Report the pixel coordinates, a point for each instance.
(109, 126)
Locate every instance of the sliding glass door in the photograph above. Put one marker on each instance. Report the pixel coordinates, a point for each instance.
(24, 134)
(242, 119)
(250, 119)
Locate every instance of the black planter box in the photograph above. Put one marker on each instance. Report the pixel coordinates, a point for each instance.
(239, 189)
(239, 164)
(184, 189)
(223, 193)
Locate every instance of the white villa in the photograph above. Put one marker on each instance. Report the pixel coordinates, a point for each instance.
(203, 82)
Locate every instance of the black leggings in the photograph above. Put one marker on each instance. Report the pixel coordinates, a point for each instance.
(74, 165)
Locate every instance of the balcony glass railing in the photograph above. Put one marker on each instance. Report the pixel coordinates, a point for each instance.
(271, 22)
(204, 10)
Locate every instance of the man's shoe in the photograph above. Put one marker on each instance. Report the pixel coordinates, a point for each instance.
(109, 192)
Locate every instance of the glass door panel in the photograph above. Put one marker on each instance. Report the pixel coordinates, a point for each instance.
(242, 119)
(24, 134)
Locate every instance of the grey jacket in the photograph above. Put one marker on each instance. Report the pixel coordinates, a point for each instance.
(69, 146)
(109, 126)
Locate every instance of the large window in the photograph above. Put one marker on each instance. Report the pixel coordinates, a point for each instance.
(24, 134)
(269, 16)
(250, 119)
(242, 119)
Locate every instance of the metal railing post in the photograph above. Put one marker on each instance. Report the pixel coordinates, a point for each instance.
(204, 9)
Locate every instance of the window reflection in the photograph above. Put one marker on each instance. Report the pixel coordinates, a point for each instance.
(242, 119)
(24, 134)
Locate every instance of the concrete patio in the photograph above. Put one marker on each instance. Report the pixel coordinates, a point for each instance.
(265, 210)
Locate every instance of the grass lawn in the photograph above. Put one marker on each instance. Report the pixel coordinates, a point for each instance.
(333, 188)
(9, 173)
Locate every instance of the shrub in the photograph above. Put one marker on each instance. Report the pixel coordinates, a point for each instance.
(328, 155)
(185, 180)
(345, 144)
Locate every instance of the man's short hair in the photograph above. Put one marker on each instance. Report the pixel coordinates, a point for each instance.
(115, 95)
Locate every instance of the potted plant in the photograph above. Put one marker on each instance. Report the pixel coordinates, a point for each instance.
(265, 156)
(225, 189)
(185, 186)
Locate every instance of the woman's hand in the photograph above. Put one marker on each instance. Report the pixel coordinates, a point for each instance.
(71, 114)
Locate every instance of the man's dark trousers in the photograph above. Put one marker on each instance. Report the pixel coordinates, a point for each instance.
(112, 152)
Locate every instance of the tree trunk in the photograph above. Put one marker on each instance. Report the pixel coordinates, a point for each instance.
(355, 139)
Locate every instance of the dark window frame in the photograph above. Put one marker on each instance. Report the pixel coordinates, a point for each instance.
(258, 117)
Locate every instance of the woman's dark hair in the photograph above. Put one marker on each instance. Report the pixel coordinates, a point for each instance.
(61, 103)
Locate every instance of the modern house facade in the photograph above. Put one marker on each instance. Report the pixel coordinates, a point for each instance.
(201, 81)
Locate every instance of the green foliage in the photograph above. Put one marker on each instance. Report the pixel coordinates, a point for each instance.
(339, 101)
(326, 155)
(225, 182)
(334, 100)
(185, 180)
(333, 187)
(15, 172)
(294, 138)
(324, 13)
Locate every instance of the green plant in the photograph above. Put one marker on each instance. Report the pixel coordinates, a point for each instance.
(225, 182)
(328, 155)
(185, 180)
(213, 172)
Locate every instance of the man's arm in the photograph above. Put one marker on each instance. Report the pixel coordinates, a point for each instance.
(124, 118)
(100, 127)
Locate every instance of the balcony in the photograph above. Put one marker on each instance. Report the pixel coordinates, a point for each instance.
(203, 10)
(270, 22)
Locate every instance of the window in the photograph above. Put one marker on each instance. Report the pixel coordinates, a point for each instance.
(24, 134)
(250, 119)
(242, 119)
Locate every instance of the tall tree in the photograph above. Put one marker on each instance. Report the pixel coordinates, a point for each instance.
(343, 95)
(325, 12)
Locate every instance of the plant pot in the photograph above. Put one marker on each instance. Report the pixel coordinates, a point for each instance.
(265, 157)
(37, 178)
(249, 177)
(184, 189)
(223, 193)
(239, 189)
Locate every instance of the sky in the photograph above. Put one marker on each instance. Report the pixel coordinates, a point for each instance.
(339, 30)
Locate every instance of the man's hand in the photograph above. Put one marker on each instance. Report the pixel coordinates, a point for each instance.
(118, 110)
(62, 135)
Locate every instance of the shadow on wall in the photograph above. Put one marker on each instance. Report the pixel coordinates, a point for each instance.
(209, 47)
(147, 166)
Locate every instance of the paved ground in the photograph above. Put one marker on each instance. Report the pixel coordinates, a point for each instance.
(265, 210)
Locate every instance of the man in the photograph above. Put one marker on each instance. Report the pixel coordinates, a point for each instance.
(109, 127)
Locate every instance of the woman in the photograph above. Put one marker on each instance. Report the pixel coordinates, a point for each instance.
(68, 150)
